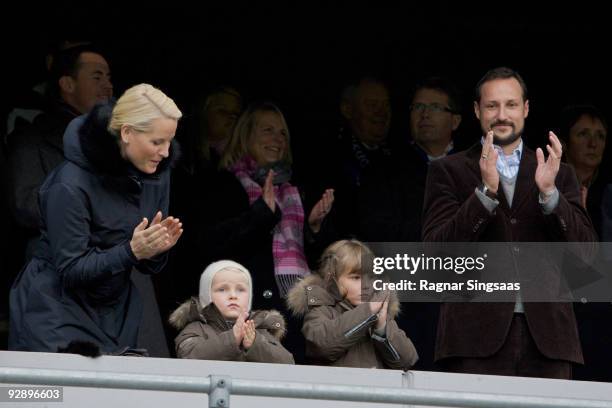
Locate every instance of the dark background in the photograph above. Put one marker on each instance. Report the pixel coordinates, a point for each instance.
(301, 55)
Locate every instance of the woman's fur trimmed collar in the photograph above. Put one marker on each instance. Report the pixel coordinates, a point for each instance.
(101, 148)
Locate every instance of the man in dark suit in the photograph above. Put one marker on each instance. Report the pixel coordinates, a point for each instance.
(390, 198)
(79, 79)
(501, 191)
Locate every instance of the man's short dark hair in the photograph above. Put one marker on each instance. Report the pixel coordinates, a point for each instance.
(66, 63)
(444, 85)
(571, 114)
(500, 73)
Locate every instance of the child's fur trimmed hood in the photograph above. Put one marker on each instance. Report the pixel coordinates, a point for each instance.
(191, 311)
(311, 291)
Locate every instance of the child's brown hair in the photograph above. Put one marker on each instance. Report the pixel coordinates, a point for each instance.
(345, 256)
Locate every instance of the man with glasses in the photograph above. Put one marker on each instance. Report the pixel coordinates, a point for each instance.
(434, 116)
(391, 196)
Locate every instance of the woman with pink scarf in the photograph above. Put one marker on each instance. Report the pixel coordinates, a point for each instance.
(252, 213)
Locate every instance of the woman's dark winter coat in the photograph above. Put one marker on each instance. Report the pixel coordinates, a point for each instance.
(77, 286)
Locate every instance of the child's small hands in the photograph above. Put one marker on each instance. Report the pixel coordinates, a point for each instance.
(377, 302)
(239, 327)
(375, 307)
(381, 323)
(249, 334)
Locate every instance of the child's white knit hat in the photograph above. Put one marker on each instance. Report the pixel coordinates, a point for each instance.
(209, 274)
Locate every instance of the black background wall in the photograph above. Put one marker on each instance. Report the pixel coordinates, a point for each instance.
(302, 54)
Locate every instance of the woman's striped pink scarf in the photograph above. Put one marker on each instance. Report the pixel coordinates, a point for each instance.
(288, 239)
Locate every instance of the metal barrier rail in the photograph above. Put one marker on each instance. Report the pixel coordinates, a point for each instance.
(220, 388)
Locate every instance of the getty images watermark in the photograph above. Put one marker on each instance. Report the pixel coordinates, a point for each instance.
(491, 272)
(458, 265)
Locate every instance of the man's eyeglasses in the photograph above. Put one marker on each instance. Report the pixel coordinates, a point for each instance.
(432, 107)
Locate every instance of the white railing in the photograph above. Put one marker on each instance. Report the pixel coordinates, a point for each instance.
(155, 382)
(220, 388)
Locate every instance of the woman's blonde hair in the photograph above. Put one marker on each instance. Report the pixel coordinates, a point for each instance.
(139, 106)
(238, 144)
(342, 257)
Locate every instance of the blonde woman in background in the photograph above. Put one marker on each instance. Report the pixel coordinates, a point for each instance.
(104, 212)
(254, 213)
